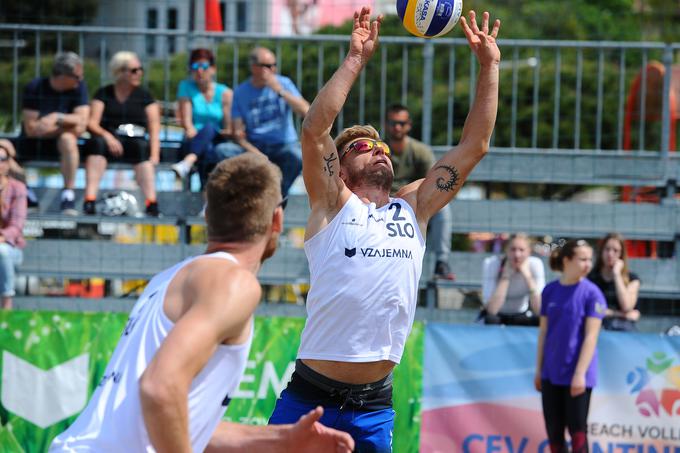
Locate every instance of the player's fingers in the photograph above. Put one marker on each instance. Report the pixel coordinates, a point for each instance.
(310, 417)
(473, 21)
(366, 17)
(356, 20)
(375, 28)
(496, 27)
(485, 22)
(466, 27)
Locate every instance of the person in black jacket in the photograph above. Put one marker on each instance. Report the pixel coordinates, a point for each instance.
(620, 286)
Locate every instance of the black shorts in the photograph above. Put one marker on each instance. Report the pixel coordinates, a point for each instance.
(135, 149)
(309, 385)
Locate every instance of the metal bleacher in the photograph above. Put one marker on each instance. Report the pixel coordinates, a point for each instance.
(530, 147)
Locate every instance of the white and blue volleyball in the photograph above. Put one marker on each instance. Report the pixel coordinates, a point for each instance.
(429, 18)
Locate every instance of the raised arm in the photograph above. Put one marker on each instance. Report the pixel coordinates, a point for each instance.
(320, 163)
(447, 175)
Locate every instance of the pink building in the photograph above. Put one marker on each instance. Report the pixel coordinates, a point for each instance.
(289, 17)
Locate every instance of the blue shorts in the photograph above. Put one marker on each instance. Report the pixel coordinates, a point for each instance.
(365, 412)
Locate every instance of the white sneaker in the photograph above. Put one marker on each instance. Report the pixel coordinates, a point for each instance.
(181, 169)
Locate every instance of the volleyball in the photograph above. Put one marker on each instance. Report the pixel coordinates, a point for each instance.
(429, 18)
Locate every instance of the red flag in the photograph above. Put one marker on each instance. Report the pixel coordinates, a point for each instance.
(213, 17)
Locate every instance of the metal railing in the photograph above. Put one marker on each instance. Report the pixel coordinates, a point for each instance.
(565, 102)
(555, 94)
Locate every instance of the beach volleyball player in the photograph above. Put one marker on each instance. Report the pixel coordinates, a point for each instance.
(185, 346)
(365, 248)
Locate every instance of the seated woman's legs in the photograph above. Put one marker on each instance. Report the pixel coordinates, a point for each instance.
(136, 151)
(96, 150)
(9, 258)
(195, 149)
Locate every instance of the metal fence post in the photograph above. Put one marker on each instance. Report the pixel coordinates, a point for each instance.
(428, 64)
(665, 108)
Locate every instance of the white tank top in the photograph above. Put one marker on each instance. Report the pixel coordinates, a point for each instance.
(112, 421)
(364, 267)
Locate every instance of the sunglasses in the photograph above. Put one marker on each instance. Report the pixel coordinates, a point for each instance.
(202, 65)
(283, 203)
(267, 65)
(398, 123)
(136, 70)
(364, 145)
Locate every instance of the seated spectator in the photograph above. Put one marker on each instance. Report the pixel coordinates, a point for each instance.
(411, 160)
(16, 171)
(619, 285)
(263, 115)
(205, 114)
(512, 285)
(55, 113)
(121, 116)
(13, 216)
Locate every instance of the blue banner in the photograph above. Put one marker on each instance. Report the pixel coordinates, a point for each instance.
(479, 397)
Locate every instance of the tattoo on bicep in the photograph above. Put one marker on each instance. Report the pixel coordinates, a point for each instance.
(453, 179)
(329, 167)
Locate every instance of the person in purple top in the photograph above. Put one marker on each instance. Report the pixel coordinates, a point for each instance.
(566, 367)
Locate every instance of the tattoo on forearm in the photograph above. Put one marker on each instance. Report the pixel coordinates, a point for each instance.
(454, 178)
(329, 168)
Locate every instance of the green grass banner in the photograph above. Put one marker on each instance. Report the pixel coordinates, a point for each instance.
(50, 363)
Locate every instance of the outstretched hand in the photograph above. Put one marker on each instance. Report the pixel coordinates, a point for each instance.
(310, 436)
(364, 39)
(482, 43)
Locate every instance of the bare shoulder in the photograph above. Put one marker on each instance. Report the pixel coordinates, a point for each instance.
(409, 193)
(210, 279)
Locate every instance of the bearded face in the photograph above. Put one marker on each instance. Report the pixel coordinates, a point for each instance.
(378, 176)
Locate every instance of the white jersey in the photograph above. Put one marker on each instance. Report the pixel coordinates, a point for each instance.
(113, 421)
(365, 267)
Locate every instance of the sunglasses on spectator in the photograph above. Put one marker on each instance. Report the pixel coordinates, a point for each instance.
(267, 65)
(200, 65)
(136, 70)
(75, 77)
(365, 145)
(398, 123)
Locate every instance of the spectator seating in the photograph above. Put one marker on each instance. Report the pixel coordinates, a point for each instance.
(78, 258)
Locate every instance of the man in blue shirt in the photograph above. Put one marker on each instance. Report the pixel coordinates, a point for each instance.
(55, 112)
(262, 113)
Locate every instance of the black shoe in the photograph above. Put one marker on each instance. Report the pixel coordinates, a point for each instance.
(89, 208)
(152, 210)
(68, 207)
(441, 270)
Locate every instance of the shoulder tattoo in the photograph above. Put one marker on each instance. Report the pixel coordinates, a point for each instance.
(449, 183)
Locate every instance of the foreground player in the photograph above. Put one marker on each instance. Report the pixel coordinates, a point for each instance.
(185, 346)
(365, 249)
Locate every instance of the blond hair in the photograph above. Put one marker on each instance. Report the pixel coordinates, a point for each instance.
(119, 62)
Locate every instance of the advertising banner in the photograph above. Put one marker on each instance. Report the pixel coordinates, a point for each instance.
(479, 396)
(51, 362)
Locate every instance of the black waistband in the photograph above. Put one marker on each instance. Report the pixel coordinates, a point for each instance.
(314, 387)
